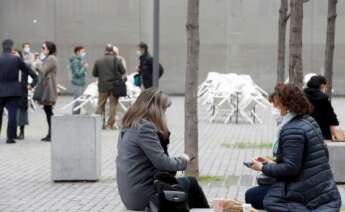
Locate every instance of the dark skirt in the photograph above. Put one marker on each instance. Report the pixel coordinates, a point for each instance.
(22, 117)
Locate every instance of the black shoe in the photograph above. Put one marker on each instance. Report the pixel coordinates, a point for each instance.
(46, 139)
(21, 136)
(10, 141)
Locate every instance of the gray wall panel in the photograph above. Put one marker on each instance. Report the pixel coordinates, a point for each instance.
(236, 35)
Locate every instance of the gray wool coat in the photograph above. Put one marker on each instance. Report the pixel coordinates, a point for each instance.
(47, 85)
(140, 157)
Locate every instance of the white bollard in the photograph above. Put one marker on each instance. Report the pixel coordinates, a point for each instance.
(76, 148)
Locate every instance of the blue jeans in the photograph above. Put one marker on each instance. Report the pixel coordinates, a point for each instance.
(77, 92)
(255, 196)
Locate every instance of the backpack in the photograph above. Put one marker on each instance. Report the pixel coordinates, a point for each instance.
(169, 195)
(161, 70)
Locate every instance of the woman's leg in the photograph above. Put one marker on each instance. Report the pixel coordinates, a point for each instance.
(255, 196)
(196, 196)
(48, 109)
(77, 92)
(21, 133)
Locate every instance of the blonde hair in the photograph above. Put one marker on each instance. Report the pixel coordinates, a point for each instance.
(151, 106)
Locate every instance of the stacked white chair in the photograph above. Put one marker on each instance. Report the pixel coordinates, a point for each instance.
(230, 95)
(89, 100)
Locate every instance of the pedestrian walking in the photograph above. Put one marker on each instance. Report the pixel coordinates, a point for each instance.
(78, 66)
(108, 69)
(46, 90)
(10, 87)
(145, 67)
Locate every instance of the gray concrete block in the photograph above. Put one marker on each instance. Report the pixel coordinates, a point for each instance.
(76, 148)
(337, 160)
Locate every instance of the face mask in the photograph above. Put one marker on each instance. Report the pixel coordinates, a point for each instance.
(42, 56)
(139, 53)
(27, 49)
(276, 114)
(83, 55)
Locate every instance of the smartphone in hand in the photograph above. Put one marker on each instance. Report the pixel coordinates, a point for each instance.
(248, 164)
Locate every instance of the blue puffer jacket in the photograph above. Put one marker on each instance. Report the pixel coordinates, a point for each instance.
(305, 180)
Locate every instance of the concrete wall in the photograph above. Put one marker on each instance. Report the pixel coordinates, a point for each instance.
(236, 35)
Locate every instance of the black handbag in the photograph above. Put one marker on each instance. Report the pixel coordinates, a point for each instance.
(263, 180)
(119, 88)
(40, 92)
(169, 195)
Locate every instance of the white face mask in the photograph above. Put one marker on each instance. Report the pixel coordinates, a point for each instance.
(139, 53)
(83, 55)
(42, 56)
(276, 114)
(27, 49)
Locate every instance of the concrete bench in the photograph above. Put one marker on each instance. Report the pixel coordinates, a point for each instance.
(337, 160)
(76, 148)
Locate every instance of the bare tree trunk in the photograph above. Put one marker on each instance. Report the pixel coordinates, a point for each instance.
(283, 18)
(329, 53)
(296, 28)
(191, 106)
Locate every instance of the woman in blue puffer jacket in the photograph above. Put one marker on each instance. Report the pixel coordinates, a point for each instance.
(304, 179)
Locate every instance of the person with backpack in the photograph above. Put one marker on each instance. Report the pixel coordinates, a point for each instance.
(145, 67)
(143, 154)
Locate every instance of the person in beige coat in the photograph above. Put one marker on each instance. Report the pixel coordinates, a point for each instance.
(46, 91)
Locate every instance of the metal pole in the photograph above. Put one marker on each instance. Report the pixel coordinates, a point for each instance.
(156, 44)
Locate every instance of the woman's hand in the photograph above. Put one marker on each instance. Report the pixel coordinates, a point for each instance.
(257, 166)
(264, 160)
(185, 157)
(337, 134)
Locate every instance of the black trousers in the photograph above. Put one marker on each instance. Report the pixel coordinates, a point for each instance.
(196, 196)
(48, 110)
(10, 103)
(256, 195)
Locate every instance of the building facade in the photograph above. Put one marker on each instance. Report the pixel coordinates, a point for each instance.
(237, 36)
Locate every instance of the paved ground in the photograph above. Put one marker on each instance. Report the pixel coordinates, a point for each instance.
(25, 180)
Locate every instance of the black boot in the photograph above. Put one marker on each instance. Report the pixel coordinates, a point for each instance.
(49, 112)
(21, 133)
(47, 138)
(10, 141)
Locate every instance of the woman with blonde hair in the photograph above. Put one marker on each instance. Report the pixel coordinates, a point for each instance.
(143, 153)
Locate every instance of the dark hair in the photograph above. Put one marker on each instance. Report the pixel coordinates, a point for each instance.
(19, 52)
(51, 47)
(316, 81)
(143, 45)
(77, 49)
(7, 45)
(26, 44)
(290, 96)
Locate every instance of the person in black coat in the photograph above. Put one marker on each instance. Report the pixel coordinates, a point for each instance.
(302, 173)
(22, 110)
(323, 112)
(145, 67)
(10, 87)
